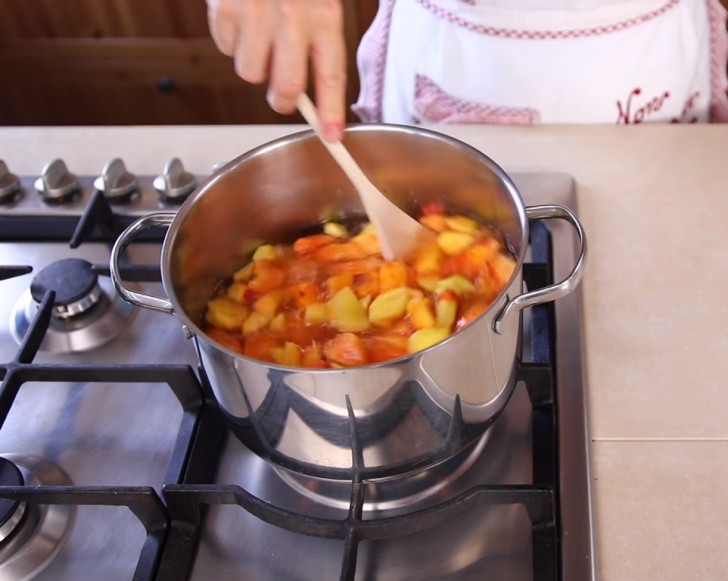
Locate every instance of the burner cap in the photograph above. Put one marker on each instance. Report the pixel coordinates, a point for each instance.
(9, 476)
(74, 283)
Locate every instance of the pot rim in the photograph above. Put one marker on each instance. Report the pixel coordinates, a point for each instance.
(209, 183)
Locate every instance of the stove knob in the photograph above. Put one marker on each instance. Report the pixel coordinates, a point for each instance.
(56, 183)
(116, 182)
(9, 184)
(175, 184)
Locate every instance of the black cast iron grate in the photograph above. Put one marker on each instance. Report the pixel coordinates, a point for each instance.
(174, 524)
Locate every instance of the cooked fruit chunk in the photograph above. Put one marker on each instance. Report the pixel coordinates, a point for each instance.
(268, 304)
(369, 243)
(385, 347)
(393, 274)
(446, 309)
(237, 292)
(243, 274)
(454, 242)
(345, 349)
(289, 354)
(316, 314)
(456, 283)
(339, 251)
(424, 338)
(421, 312)
(428, 259)
(346, 313)
(338, 281)
(335, 229)
(255, 322)
(265, 252)
(305, 293)
(226, 339)
(389, 306)
(461, 224)
(266, 277)
(502, 267)
(313, 357)
(309, 244)
(226, 314)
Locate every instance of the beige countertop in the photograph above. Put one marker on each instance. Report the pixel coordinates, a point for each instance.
(653, 200)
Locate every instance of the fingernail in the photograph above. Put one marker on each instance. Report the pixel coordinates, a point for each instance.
(333, 131)
(271, 98)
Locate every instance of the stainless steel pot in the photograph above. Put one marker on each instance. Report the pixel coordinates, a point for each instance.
(377, 421)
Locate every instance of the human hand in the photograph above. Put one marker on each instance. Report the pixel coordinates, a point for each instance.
(274, 40)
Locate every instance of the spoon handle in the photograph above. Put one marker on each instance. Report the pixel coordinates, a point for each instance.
(398, 232)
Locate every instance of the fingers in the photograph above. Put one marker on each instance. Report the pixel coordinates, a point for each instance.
(329, 69)
(290, 58)
(274, 40)
(253, 50)
(223, 25)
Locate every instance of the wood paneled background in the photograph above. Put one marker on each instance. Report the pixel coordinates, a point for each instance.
(129, 62)
(121, 62)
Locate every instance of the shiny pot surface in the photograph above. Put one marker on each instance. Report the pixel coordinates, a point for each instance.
(377, 421)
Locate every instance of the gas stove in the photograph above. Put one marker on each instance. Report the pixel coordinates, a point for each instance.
(116, 464)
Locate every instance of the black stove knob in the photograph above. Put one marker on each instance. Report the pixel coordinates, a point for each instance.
(116, 182)
(9, 184)
(175, 184)
(56, 183)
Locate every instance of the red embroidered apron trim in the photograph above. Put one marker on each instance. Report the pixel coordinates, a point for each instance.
(374, 63)
(544, 34)
(718, 54)
(433, 105)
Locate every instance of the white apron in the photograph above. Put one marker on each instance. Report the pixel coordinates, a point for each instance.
(486, 61)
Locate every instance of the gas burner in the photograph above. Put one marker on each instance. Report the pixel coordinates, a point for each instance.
(87, 312)
(390, 493)
(31, 534)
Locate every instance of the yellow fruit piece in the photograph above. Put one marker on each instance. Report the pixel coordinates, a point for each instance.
(445, 312)
(265, 252)
(268, 304)
(335, 229)
(428, 259)
(338, 281)
(457, 283)
(346, 313)
(424, 338)
(368, 228)
(428, 283)
(434, 222)
(461, 224)
(369, 243)
(454, 242)
(243, 274)
(236, 292)
(503, 267)
(316, 314)
(366, 301)
(421, 312)
(392, 275)
(289, 354)
(389, 306)
(226, 314)
(255, 322)
(278, 324)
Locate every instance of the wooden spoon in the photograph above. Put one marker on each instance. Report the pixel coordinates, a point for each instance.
(399, 234)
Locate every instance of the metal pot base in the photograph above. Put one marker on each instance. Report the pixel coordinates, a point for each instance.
(388, 493)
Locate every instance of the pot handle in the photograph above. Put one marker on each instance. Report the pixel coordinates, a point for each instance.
(140, 299)
(554, 291)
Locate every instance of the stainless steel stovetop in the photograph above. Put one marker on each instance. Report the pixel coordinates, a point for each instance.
(118, 426)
